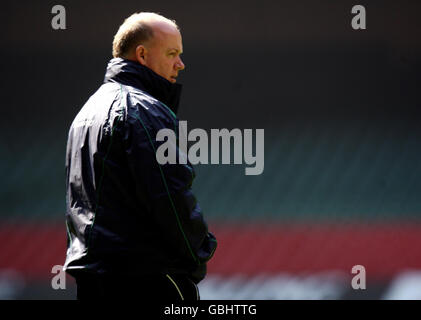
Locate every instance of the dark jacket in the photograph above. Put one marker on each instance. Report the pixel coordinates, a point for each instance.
(127, 214)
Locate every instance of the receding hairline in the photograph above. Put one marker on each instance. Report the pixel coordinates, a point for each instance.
(152, 19)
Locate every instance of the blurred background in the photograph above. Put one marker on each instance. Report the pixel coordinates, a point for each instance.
(340, 108)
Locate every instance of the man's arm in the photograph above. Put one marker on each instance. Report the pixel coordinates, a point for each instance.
(167, 189)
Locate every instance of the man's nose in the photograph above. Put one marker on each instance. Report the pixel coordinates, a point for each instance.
(180, 64)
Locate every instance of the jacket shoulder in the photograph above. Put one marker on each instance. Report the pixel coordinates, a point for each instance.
(101, 108)
(141, 105)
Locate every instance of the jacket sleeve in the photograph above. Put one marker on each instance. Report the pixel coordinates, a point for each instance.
(166, 189)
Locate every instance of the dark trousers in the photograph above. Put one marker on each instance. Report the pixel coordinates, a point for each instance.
(157, 287)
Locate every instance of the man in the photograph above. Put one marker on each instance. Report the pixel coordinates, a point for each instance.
(134, 227)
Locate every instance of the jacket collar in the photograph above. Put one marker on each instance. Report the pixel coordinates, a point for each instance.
(134, 74)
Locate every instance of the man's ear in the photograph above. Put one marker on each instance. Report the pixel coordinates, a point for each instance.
(141, 53)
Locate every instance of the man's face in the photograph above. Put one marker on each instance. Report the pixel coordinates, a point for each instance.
(163, 52)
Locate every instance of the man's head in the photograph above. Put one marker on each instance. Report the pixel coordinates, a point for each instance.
(152, 40)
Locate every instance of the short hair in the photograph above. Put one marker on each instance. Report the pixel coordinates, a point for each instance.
(136, 30)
